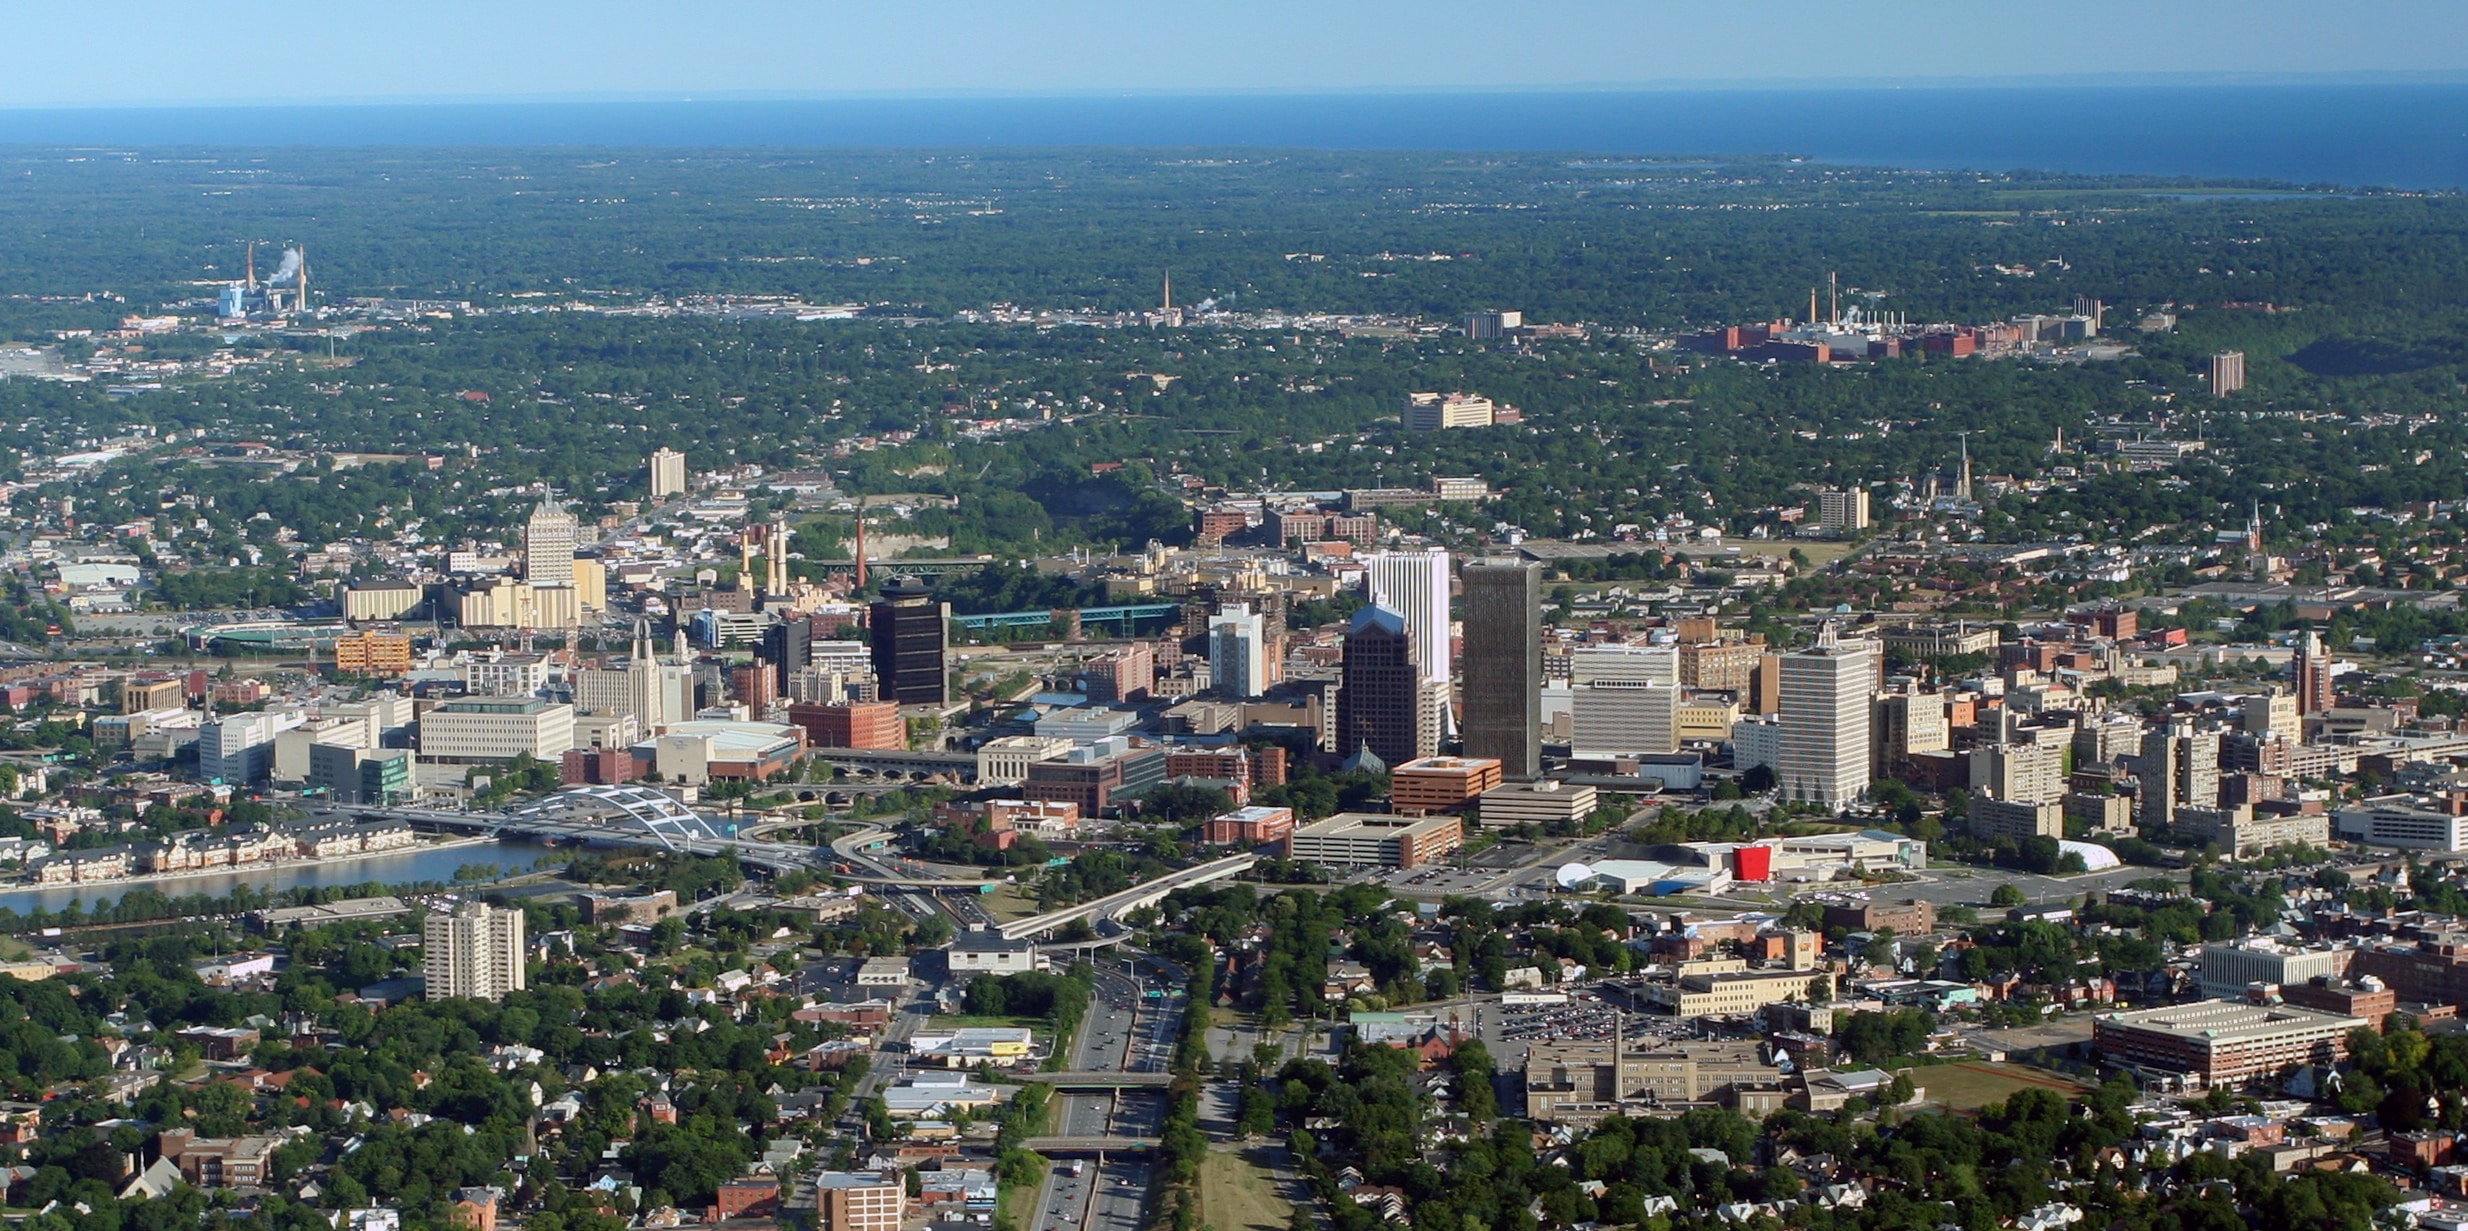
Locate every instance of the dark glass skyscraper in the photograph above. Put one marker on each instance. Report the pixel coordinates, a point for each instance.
(1503, 665)
(909, 629)
(1382, 701)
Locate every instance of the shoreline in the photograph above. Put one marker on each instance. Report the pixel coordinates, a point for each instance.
(246, 869)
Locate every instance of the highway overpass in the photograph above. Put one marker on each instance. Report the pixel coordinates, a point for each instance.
(1101, 1080)
(1089, 1145)
(1114, 904)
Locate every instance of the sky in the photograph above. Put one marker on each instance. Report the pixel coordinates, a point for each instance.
(154, 52)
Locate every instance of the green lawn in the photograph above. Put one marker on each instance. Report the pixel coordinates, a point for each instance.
(1238, 1193)
(1971, 1085)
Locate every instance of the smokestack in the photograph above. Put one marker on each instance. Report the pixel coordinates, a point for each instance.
(861, 546)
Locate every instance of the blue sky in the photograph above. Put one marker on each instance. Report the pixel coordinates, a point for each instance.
(158, 51)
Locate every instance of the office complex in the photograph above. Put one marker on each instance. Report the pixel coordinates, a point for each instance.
(549, 538)
(1503, 665)
(1823, 756)
(1238, 652)
(1376, 839)
(239, 750)
(476, 953)
(1414, 584)
(1440, 784)
(1616, 718)
(2221, 1041)
(909, 628)
(2230, 966)
(668, 473)
(1488, 326)
(1382, 704)
(477, 730)
(1432, 412)
(1624, 664)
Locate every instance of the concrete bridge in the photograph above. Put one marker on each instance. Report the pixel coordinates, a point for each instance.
(1089, 1145)
(1114, 904)
(898, 761)
(1101, 1080)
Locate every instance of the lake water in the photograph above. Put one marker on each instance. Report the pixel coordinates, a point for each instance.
(401, 868)
(2406, 135)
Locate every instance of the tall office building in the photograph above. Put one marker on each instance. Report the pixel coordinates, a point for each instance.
(1414, 584)
(1238, 652)
(2315, 695)
(668, 473)
(909, 629)
(1503, 665)
(476, 953)
(2155, 774)
(548, 545)
(1383, 702)
(1825, 701)
(1624, 664)
(789, 647)
(1624, 718)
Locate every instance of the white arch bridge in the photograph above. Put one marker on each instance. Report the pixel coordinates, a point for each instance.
(676, 826)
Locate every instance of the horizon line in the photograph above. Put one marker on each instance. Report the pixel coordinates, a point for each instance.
(2121, 81)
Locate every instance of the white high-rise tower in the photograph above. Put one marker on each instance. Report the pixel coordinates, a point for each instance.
(668, 473)
(476, 953)
(1414, 584)
(548, 545)
(1826, 693)
(1238, 652)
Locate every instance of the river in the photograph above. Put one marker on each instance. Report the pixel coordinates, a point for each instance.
(435, 864)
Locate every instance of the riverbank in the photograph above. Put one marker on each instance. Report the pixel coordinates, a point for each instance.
(267, 866)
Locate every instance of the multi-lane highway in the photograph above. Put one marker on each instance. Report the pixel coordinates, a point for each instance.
(1125, 1031)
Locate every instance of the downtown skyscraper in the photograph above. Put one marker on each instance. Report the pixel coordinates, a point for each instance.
(1414, 584)
(1503, 665)
(1826, 693)
(1383, 703)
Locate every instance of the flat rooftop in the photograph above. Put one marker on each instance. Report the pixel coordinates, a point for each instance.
(2228, 1021)
(1449, 765)
(1375, 825)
